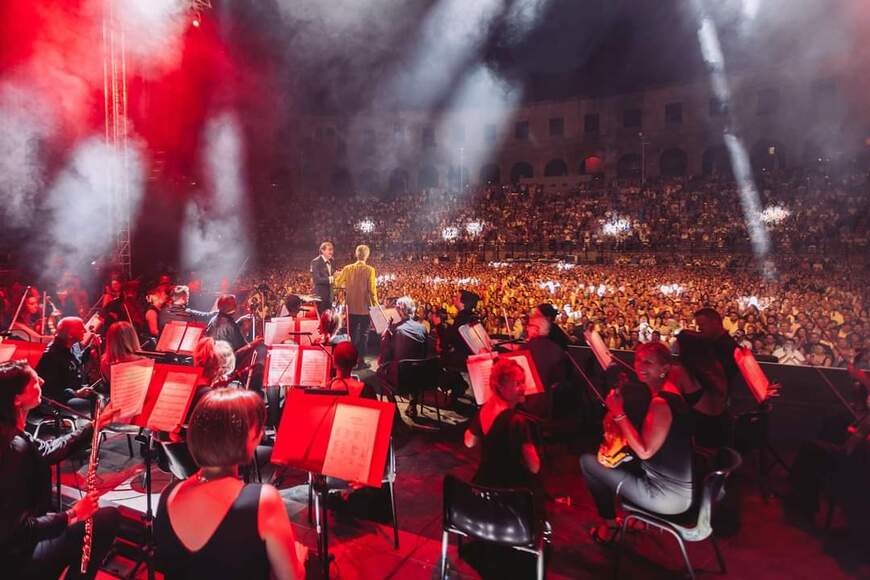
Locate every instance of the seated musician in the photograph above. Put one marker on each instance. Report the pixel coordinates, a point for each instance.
(704, 386)
(331, 330)
(662, 443)
(553, 367)
(61, 365)
(509, 457)
(217, 360)
(213, 525)
(156, 299)
(223, 326)
(122, 345)
(35, 542)
(344, 357)
(405, 340)
(29, 321)
(178, 310)
(454, 350)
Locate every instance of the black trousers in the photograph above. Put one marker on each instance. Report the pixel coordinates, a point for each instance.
(605, 484)
(50, 557)
(359, 332)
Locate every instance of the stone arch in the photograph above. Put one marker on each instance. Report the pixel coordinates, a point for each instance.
(399, 182)
(341, 181)
(428, 177)
(768, 154)
(556, 168)
(715, 161)
(521, 169)
(629, 165)
(592, 165)
(490, 174)
(673, 163)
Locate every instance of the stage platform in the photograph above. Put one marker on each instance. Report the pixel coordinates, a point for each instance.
(765, 540)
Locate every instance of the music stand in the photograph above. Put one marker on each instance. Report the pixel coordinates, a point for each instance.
(332, 435)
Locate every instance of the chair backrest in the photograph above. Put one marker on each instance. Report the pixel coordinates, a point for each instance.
(181, 463)
(418, 373)
(502, 516)
(725, 462)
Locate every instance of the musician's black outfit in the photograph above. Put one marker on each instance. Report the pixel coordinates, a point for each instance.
(181, 313)
(408, 340)
(708, 362)
(61, 369)
(34, 542)
(664, 482)
(556, 372)
(234, 550)
(224, 327)
(321, 270)
(455, 351)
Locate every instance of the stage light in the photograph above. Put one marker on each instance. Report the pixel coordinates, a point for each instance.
(366, 226)
(195, 22)
(449, 233)
(671, 289)
(616, 227)
(474, 228)
(774, 215)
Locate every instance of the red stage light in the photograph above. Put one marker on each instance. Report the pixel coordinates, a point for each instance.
(195, 22)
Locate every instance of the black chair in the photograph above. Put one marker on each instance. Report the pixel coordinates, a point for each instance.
(506, 517)
(337, 485)
(693, 525)
(751, 435)
(420, 375)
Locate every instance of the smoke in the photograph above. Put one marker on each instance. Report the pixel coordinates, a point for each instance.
(215, 240)
(81, 203)
(153, 32)
(26, 123)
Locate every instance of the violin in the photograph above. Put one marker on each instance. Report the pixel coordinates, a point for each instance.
(614, 449)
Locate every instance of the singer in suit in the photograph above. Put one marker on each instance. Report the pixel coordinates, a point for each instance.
(322, 269)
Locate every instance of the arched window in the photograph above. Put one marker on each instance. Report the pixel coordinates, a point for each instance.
(716, 161)
(490, 174)
(628, 165)
(555, 168)
(673, 163)
(520, 170)
(428, 177)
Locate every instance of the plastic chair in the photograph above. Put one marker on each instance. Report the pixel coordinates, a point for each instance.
(337, 485)
(693, 525)
(421, 375)
(506, 517)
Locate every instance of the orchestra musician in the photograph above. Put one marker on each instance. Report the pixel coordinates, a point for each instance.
(322, 276)
(178, 308)
(156, 299)
(223, 325)
(213, 525)
(454, 350)
(360, 284)
(662, 444)
(30, 320)
(405, 340)
(344, 358)
(122, 345)
(553, 367)
(61, 365)
(35, 542)
(509, 456)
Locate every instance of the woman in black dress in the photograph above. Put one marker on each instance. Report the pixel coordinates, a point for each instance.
(509, 457)
(213, 525)
(663, 445)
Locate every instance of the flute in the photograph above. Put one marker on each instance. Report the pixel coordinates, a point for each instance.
(91, 485)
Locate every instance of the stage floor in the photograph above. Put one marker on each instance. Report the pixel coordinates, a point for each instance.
(766, 542)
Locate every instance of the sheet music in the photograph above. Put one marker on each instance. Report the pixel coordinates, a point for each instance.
(278, 330)
(191, 337)
(476, 338)
(313, 366)
(282, 364)
(351, 443)
(170, 338)
(479, 370)
(94, 322)
(599, 349)
(129, 385)
(382, 317)
(7, 351)
(311, 325)
(525, 361)
(171, 405)
(755, 378)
